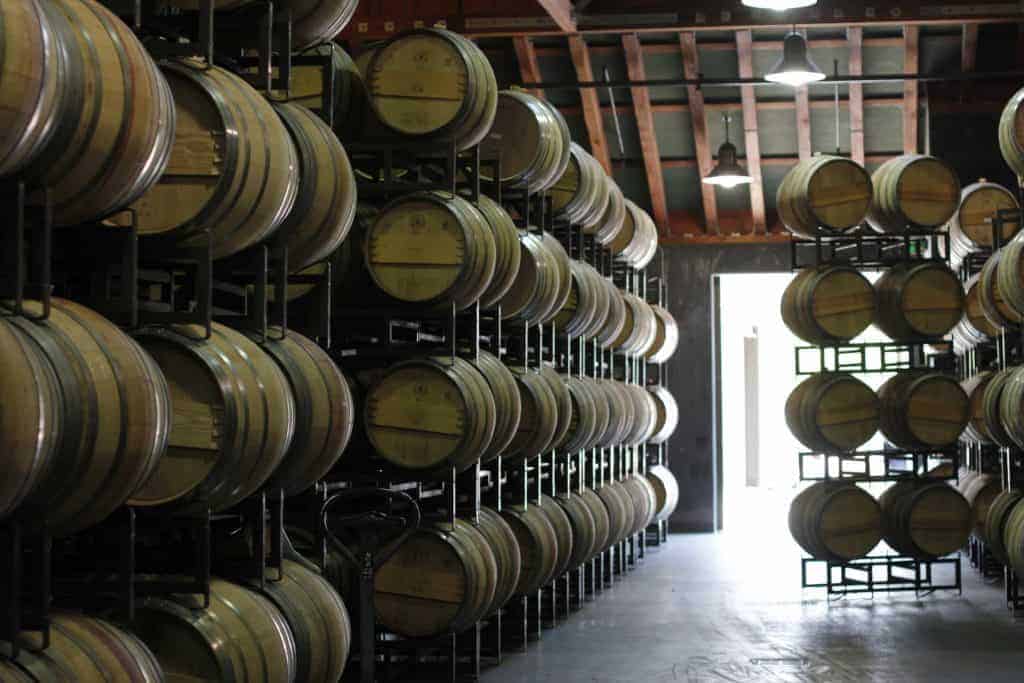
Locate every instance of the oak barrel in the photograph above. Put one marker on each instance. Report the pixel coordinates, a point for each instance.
(1011, 405)
(666, 414)
(309, 85)
(233, 417)
(563, 404)
(974, 327)
(971, 229)
(584, 427)
(539, 419)
(1007, 285)
(977, 425)
(538, 546)
(612, 221)
(1011, 134)
(508, 405)
(584, 528)
(241, 637)
(979, 492)
(997, 523)
(826, 194)
(828, 305)
(643, 499)
(508, 252)
(532, 140)
(578, 317)
(318, 21)
(913, 191)
(833, 412)
(617, 315)
(922, 300)
(637, 241)
(666, 491)
(602, 522)
(639, 329)
(580, 195)
(535, 288)
(620, 511)
(992, 408)
(506, 552)
(924, 518)
(233, 171)
(835, 521)
(563, 527)
(115, 411)
(666, 336)
(923, 409)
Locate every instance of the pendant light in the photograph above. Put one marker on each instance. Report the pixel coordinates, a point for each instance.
(727, 172)
(795, 68)
(779, 5)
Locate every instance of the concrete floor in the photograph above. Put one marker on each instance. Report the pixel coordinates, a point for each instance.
(706, 609)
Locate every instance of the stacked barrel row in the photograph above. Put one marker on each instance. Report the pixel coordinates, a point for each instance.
(994, 299)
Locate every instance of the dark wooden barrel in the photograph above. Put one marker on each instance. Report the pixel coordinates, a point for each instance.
(923, 409)
(83, 649)
(1005, 292)
(637, 241)
(584, 528)
(431, 249)
(113, 133)
(563, 527)
(563, 404)
(538, 546)
(828, 305)
(602, 522)
(979, 492)
(923, 300)
(825, 194)
(613, 218)
(33, 93)
(441, 580)
(1011, 406)
(318, 621)
(233, 418)
(835, 521)
(992, 407)
(970, 228)
(233, 171)
(32, 422)
(433, 83)
(666, 336)
(924, 518)
(506, 552)
(324, 410)
(318, 21)
(580, 195)
(974, 327)
(977, 426)
(325, 205)
(507, 402)
(429, 414)
(1011, 134)
(997, 523)
(310, 83)
(508, 256)
(538, 422)
(666, 491)
(241, 637)
(666, 414)
(832, 412)
(115, 416)
(913, 191)
(532, 140)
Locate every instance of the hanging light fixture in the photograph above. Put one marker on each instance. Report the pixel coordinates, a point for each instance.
(795, 68)
(779, 5)
(727, 172)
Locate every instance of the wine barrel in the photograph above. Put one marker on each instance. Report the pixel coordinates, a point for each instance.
(115, 414)
(628, 513)
(431, 248)
(539, 419)
(433, 83)
(325, 204)
(640, 327)
(979, 493)
(835, 521)
(563, 279)
(666, 414)
(637, 241)
(666, 491)
(32, 70)
(508, 407)
(997, 523)
(992, 408)
(581, 194)
(924, 518)
(82, 648)
(1011, 124)
(538, 546)
(1006, 291)
(975, 327)
(563, 404)
(114, 130)
(1011, 405)
(620, 511)
(233, 418)
(913, 191)
(584, 528)
(532, 140)
(318, 21)
(602, 522)
(324, 410)
(583, 427)
(578, 316)
(833, 412)
(977, 425)
(506, 552)
(923, 409)
(318, 621)
(616, 319)
(824, 194)
(535, 289)
(828, 305)
(309, 85)
(431, 414)
(971, 229)
(563, 527)
(666, 336)
(920, 300)
(642, 498)
(620, 413)
(613, 219)
(645, 415)
(441, 580)
(508, 251)
(239, 638)
(31, 423)
(233, 169)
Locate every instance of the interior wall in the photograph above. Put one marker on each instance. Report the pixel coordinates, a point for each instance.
(689, 270)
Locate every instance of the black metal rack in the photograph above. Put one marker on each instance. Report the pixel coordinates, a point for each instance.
(866, 249)
(882, 574)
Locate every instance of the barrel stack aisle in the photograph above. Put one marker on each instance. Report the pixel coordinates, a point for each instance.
(302, 359)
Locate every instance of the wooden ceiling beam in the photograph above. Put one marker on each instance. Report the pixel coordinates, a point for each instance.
(561, 13)
(774, 161)
(529, 68)
(591, 104)
(645, 127)
(911, 39)
(803, 122)
(661, 48)
(752, 142)
(691, 69)
(968, 57)
(776, 105)
(855, 37)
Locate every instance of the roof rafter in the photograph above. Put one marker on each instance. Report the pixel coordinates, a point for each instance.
(691, 68)
(744, 45)
(591, 105)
